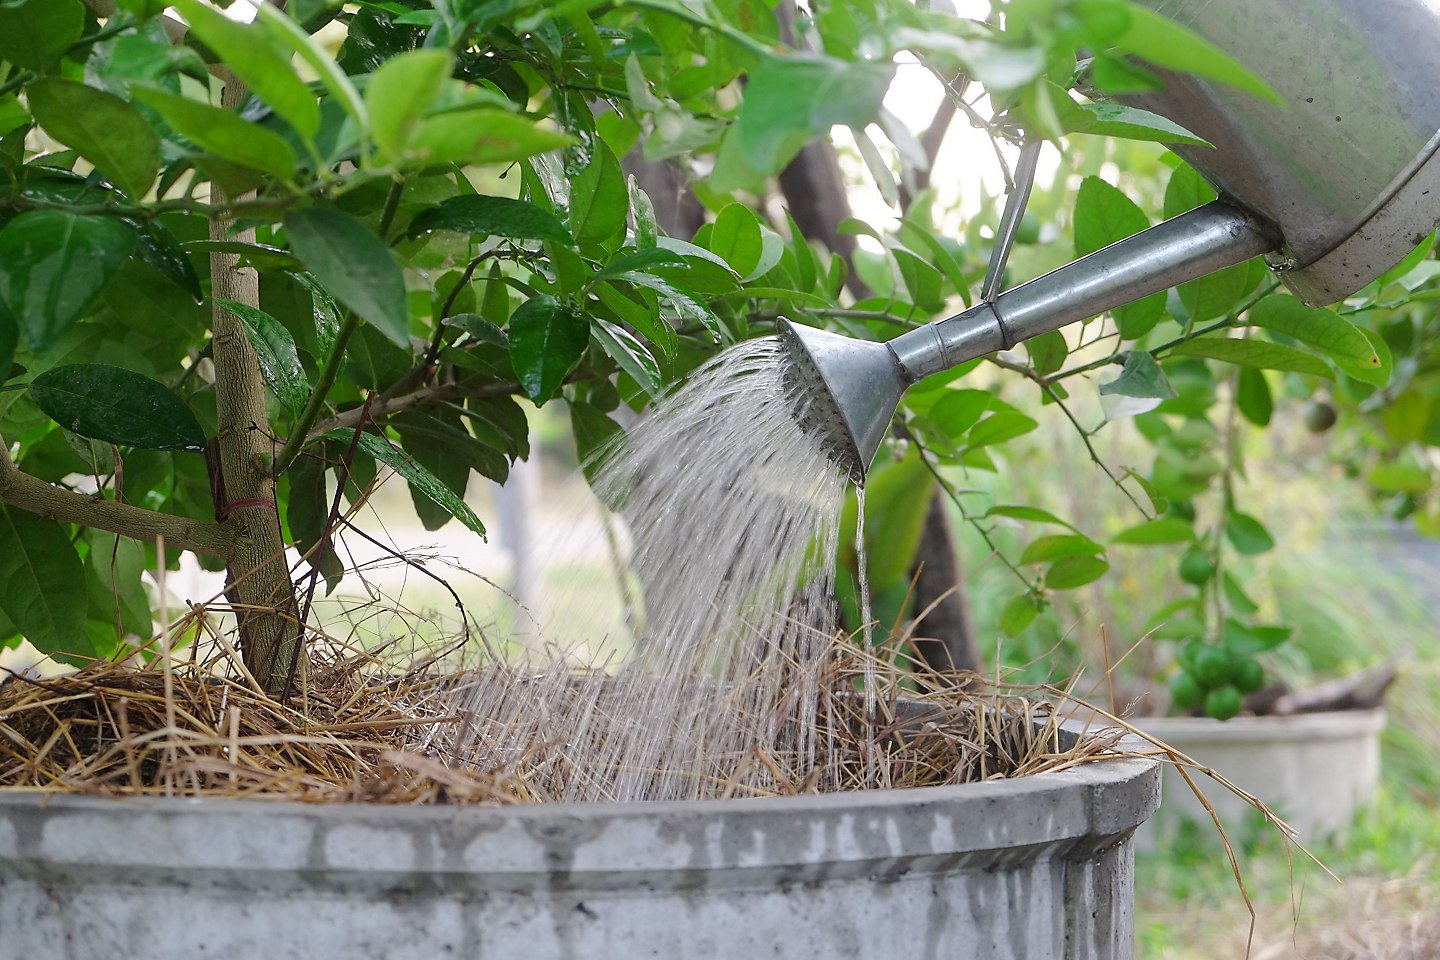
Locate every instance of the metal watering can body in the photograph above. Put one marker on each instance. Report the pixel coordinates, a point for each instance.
(1334, 186)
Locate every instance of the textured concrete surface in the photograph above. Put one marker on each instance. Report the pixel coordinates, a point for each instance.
(1035, 868)
(1315, 770)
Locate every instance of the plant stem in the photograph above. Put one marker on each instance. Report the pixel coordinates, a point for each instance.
(300, 430)
(21, 490)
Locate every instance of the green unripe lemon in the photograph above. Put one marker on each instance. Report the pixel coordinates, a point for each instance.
(1212, 667)
(1222, 703)
(1319, 416)
(1196, 567)
(1249, 676)
(1185, 690)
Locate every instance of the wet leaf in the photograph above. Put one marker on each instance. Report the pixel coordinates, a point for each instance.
(117, 406)
(355, 266)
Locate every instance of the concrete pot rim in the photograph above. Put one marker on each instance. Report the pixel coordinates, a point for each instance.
(1086, 806)
(1308, 727)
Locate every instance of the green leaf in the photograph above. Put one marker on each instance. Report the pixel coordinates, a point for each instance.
(1252, 396)
(437, 440)
(262, 63)
(599, 200)
(735, 236)
(102, 128)
(1022, 512)
(9, 340)
(306, 512)
(646, 230)
(1017, 614)
(959, 410)
(1165, 43)
(897, 501)
(284, 32)
(481, 135)
(417, 476)
(118, 565)
(999, 427)
(628, 353)
(400, 94)
(1185, 191)
(644, 317)
(485, 216)
(355, 266)
(1142, 377)
(223, 133)
(1163, 530)
(681, 301)
(1253, 353)
(54, 265)
(1219, 293)
(275, 351)
(1400, 478)
(1047, 352)
(1059, 546)
(117, 406)
(1132, 123)
(1072, 572)
(546, 342)
(789, 100)
(1324, 331)
(595, 436)
(1247, 535)
(40, 572)
(1103, 214)
(1247, 641)
(34, 34)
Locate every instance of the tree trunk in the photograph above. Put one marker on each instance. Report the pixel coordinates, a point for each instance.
(945, 638)
(258, 582)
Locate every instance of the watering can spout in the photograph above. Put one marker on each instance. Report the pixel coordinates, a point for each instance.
(849, 389)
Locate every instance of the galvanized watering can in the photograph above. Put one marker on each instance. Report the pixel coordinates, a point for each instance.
(1333, 187)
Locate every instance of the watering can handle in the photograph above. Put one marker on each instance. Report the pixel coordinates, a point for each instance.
(1196, 243)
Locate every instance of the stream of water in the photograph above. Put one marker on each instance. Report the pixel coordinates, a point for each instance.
(731, 513)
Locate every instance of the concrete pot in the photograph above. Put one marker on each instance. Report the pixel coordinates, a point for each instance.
(1316, 770)
(1039, 867)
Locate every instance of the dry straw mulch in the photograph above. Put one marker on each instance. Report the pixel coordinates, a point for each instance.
(360, 731)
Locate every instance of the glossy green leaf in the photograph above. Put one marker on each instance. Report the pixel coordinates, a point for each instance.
(1247, 535)
(159, 248)
(790, 100)
(484, 216)
(438, 441)
(40, 572)
(1047, 352)
(34, 34)
(1167, 44)
(681, 301)
(546, 342)
(102, 128)
(628, 353)
(118, 567)
(1186, 190)
(482, 135)
(599, 200)
(275, 350)
(897, 501)
(307, 509)
(1017, 511)
(1142, 377)
(1254, 353)
(1132, 123)
(54, 266)
(1058, 546)
(355, 266)
(223, 133)
(117, 406)
(595, 437)
(285, 32)
(417, 476)
(735, 236)
(647, 231)
(1252, 396)
(400, 94)
(1162, 530)
(1017, 614)
(9, 340)
(1071, 572)
(1220, 293)
(1104, 214)
(1324, 331)
(254, 55)
(999, 427)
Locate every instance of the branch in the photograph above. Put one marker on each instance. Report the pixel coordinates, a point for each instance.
(384, 407)
(20, 489)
